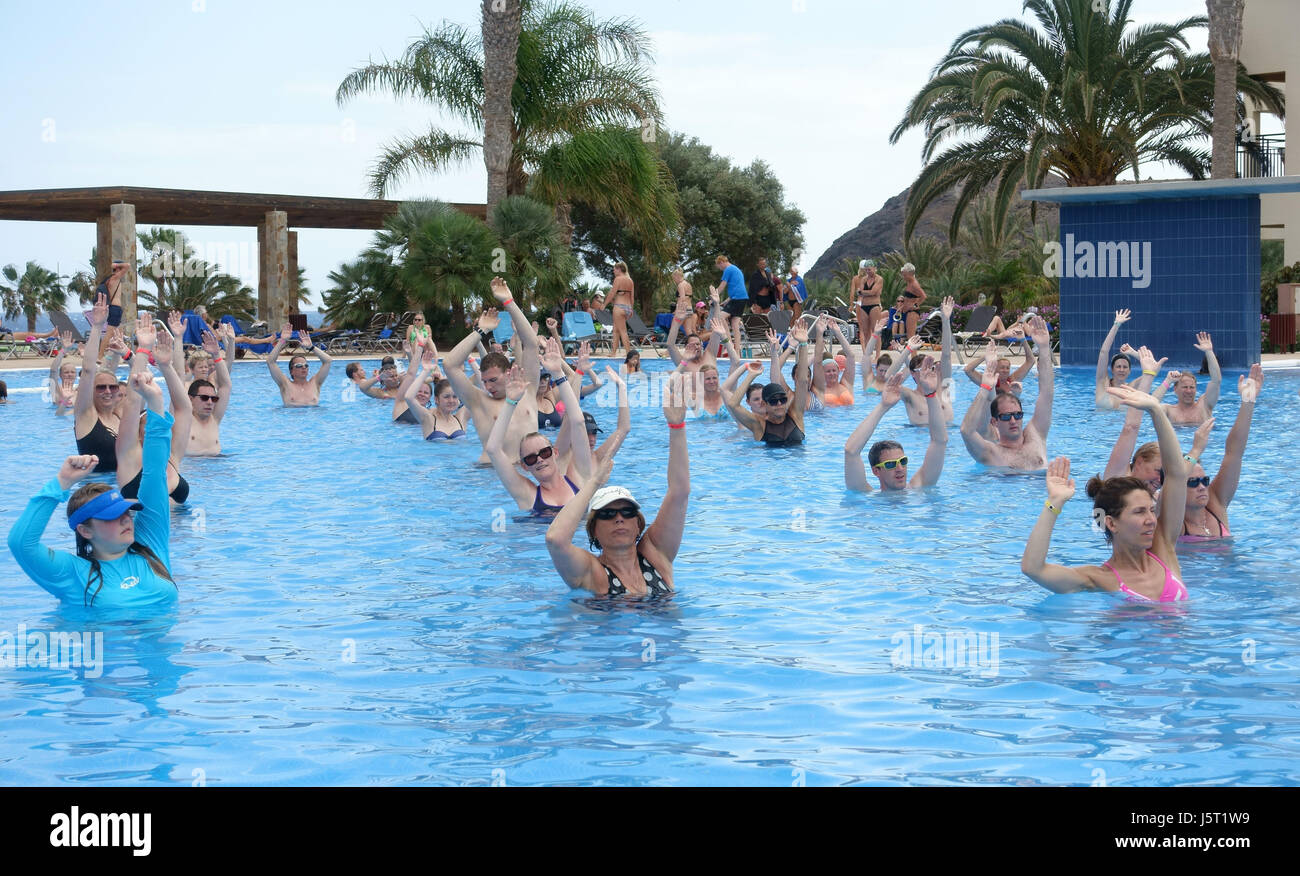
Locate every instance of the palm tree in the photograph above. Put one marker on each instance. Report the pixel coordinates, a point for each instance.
(31, 292)
(501, 27)
(580, 84)
(354, 295)
(446, 260)
(1083, 95)
(1225, 43)
(536, 258)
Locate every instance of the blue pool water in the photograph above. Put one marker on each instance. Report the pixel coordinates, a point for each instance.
(352, 613)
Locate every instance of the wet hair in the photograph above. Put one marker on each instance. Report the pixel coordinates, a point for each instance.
(884, 359)
(494, 360)
(4, 390)
(709, 367)
(632, 354)
(440, 386)
(749, 393)
(1189, 375)
(873, 455)
(199, 384)
(993, 405)
(591, 529)
(353, 368)
(86, 550)
(1111, 497)
(293, 359)
(1149, 452)
(917, 361)
(1119, 357)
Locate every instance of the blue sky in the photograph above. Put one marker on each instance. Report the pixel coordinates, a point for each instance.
(239, 96)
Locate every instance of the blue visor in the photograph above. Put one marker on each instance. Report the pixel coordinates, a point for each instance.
(105, 506)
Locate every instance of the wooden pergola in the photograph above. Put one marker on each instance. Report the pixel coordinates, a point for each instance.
(116, 210)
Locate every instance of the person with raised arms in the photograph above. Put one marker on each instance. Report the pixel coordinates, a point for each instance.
(635, 560)
(63, 378)
(403, 410)
(1008, 381)
(782, 422)
(487, 402)
(695, 355)
(1143, 564)
(888, 459)
(96, 411)
(1205, 517)
(120, 561)
(915, 400)
(130, 462)
(1119, 364)
(1190, 410)
(831, 384)
(298, 390)
(1016, 448)
(558, 478)
(1144, 463)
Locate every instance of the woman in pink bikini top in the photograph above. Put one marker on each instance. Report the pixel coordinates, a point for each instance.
(1142, 564)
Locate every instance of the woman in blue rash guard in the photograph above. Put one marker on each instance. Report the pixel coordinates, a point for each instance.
(121, 560)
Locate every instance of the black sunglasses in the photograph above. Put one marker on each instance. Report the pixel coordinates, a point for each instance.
(890, 464)
(625, 511)
(779, 399)
(208, 398)
(1014, 415)
(1192, 482)
(544, 453)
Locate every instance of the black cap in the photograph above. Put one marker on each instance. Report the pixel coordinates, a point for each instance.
(388, 362)
(591, 423)
(772, 391)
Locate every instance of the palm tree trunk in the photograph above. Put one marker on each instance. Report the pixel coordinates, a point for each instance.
(501, 25)
(1225, 43)
(563, 217)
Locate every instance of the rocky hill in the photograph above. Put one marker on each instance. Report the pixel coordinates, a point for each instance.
(882, 231)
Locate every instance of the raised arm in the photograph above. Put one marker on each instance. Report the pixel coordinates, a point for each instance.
(945, 356)
(272, 360)
(1224, 485)
(733, 401)
(1173, 495)
(611, 445)
(86, 385)
(850, 363)
(1058, 579)
(802, 378)
(573, 420)
(972, 424)
(583, 368)
(665, 532)
(521, 489)
(1042, 419)
(679, 316)
(575, 565)
(819, 350)
(1211, 397)
(304, 338)
(529, 345)
(182, 410)
(927, 377)
(1103, 358)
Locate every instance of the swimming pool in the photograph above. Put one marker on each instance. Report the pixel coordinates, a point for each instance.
(359, 607)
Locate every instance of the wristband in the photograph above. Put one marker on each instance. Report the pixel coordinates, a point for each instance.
(675, 319)
(512, 401)
(932, 394)
(1050, 507)
(1151, 373)
(677, 425)
(126, 357)
(1192, 459)
(579, 372)
(508, 301)
(219, 359)
(556, 381)
(142, 350)
(986, 386)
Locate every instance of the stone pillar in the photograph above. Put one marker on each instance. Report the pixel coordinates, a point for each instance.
(274, 268)
(123, 245)
(263, 306)
(293, 270)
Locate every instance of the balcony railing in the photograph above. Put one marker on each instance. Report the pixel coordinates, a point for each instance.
(1263, 155)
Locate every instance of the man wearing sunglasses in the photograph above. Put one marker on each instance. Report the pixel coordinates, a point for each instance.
(888, 460)
(298, 390)
(1018, 445)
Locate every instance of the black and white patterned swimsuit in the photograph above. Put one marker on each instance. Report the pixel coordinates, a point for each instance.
(655, 584)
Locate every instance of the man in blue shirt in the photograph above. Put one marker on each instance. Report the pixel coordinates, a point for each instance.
(733, 283)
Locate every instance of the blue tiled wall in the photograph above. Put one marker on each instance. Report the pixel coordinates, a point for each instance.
(1204, 276)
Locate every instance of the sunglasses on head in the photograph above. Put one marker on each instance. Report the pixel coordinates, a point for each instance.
(201, 396)
(1014, 415)
(890, 464)
(1203, 481)
(544, 453)
(625, 511)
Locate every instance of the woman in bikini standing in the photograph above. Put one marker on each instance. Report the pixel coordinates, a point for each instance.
(866, 287)
(621, 293)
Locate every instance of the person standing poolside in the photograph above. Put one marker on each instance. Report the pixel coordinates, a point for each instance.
(120, 561)
(759, 286)
(1205, 517)
(798, 293)
(96, 412)
(913, 298)
(1143, 564)
(558, 478)
(865, 289)
(634, 560)
(733, 284)
(298, 390)
(1190, 410)
(486, 403)
(888, 459)
(130, 438)
(621, 297)
(1022, 449)
(418, 332)
(782, 423)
